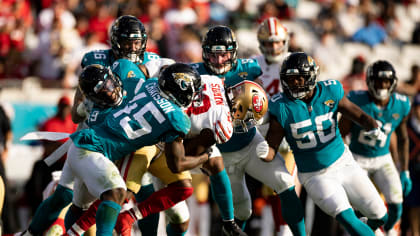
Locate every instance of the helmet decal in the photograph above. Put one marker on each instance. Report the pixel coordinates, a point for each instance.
(183, 80)
(179, 82)
(248, 102)
(257, 103)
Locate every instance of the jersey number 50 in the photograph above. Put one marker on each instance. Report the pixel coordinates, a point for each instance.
(310, 135)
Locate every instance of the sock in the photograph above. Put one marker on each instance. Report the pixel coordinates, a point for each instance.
(49, 209)
(163, 199)
(171, 232)
(222, 194)
(292, 211)
(276, 210)
(376, 223)
(352, 224)
(71, 217)
(85, 221)
(394, 214)
(106, 217)
(148, 225)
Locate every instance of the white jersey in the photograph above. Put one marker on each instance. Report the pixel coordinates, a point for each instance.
(272, 85)
(154, 66)
(211, 110)
(271, 76)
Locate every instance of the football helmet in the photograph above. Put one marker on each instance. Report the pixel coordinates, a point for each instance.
(219, 41)
(248, 104)
(298, 64)
(379, 71)
(128, 38)
(270, 33)
(99, 85)
(178, 83)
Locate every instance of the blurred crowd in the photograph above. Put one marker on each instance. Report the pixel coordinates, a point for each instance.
(46, 39)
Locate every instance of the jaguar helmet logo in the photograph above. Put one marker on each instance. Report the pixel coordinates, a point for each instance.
(131, 74)
(183, 80)
(330, 103)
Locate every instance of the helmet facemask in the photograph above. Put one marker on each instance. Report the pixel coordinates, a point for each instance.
(126, 49)
(108, 93)
(380, 93)
(220, 41)
(98, 84)
(296, 91)
(216, 51)
(179, 83)
(295, 68)
(273, 40)
(273, 51)
(376, 74)
(128, 39)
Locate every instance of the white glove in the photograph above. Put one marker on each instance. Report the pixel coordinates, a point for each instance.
(262, 150)
(284, 146)
(155, 66)
(82, 110)
(376, 134)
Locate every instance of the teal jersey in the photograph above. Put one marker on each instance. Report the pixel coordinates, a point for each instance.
(131, 78)
(144, 119)
(388, 119)
(106, 58)
(311, 129)
(246, 69)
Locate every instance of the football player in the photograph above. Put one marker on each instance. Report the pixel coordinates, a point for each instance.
(147, 116)
(220, 59)
(133, 174)
(211, 123)
(273, 39)
(390, 110)
(128, 39)
(306, 114)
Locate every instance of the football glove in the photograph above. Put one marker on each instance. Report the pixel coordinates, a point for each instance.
(262, 150)
(375, 133)
(84, 108)
(406, 183)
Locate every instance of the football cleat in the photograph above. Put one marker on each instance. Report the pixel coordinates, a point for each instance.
(230, 228)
